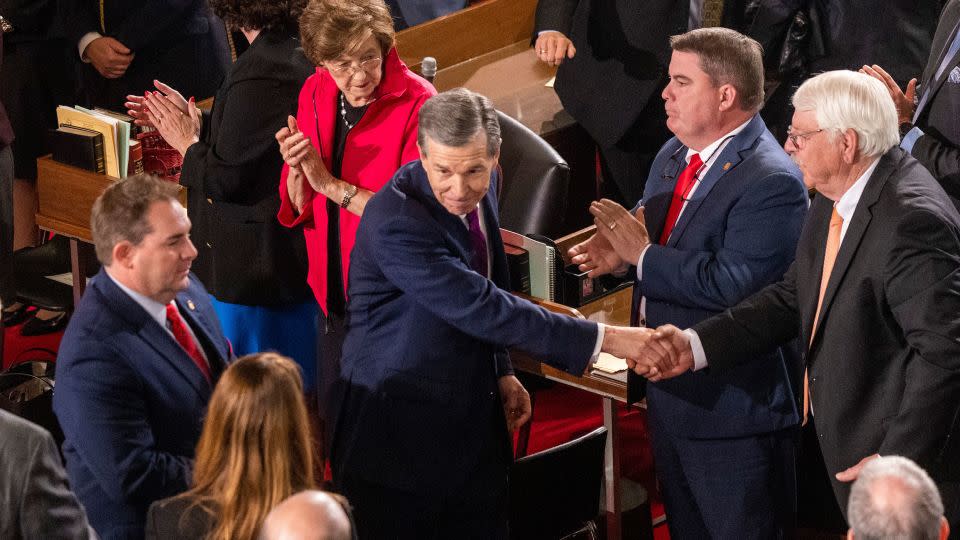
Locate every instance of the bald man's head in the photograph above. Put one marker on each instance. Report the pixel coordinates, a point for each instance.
(308, 515)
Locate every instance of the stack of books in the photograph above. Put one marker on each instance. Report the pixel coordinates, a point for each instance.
(97, 140)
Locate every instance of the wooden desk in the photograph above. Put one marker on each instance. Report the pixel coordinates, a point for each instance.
(66, 195)
(486, 48)
(615, 310)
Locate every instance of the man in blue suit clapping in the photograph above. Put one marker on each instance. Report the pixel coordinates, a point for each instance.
(138, 361)
(720, 218)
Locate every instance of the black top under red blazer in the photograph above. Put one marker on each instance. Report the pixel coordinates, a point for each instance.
(246, 256)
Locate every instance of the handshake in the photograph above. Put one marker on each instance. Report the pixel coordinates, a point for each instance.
(657, 354)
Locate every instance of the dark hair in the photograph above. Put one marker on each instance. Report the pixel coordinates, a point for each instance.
(454, 117)
(257, 14)
(727, 57)
(329, 28)
(120, 212)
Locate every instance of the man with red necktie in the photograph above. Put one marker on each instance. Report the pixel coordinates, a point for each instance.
(720, 217)
(138, 361)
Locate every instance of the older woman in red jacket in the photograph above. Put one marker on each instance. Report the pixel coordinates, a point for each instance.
(356, 125)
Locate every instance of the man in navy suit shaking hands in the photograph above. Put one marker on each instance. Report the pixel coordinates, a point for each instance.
(426, 393)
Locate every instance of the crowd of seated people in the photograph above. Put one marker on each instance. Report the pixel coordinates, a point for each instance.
(793, 328)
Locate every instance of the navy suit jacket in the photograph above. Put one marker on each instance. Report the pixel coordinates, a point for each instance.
(131, 403)
(938, 149)
(737, 234)
(417, 405)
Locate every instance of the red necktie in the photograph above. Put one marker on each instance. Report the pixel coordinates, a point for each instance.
(680, 191)
(183, 337)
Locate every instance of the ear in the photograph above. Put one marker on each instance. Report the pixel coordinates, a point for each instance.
(850, 533)
(123, 252)
(423, 153)
(944, 528)
(850, 140)
(728, 97)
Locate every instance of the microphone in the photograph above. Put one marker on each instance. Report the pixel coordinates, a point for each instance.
(428, 68)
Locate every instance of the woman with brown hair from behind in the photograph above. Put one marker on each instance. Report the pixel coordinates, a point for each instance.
(255, 451)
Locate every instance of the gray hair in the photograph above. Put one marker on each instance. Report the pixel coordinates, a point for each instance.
(120, 212)
(849, 100)
(454, 117)
(894, 498)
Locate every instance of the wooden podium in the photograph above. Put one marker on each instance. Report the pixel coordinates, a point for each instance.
(66, 195)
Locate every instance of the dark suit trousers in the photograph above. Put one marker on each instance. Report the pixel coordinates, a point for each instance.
(727, 488)
(476, 510)
(626, 164)
(817, 507)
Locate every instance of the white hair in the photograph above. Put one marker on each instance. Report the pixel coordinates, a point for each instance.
(850, 100)
(894, 498)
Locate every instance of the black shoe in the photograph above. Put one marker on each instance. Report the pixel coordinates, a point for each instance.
(36, 327)
(15, 316)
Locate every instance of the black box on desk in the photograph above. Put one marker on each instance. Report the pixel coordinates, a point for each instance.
(579, 289)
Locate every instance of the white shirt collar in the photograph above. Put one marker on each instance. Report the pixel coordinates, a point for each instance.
(847, 204)
(156, 310)
(711, 152)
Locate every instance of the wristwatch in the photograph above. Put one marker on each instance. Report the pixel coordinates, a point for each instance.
(348, 194)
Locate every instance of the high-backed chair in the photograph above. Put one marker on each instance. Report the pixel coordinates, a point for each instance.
(555, 493)
(533, 197)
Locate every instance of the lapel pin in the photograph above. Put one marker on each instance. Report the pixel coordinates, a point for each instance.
(190, 305)
(726, 166)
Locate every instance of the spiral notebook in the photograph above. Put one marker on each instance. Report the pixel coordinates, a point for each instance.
(543, 264)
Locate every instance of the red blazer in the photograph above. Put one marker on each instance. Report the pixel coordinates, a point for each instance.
(383, 140)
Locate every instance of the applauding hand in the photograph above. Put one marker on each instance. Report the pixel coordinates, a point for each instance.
(625, 233)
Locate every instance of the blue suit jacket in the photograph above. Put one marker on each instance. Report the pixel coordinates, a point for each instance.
(131, 403)
(417, 405)
(737, 234)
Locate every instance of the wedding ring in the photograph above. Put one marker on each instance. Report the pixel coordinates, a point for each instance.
(613, 225)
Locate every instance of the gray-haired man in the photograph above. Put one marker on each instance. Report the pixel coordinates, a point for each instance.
(894, 498)
(426, 393)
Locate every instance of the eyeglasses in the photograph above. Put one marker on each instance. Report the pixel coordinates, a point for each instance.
(349, 69)
(798, 139)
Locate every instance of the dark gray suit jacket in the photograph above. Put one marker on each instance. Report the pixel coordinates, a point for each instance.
(884, 364)
(35, 500)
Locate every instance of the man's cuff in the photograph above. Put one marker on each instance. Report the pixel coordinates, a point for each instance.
(601, 330)
(84, 41)
(699, 357)
(545, 31)
(640, 263)
(910, 139)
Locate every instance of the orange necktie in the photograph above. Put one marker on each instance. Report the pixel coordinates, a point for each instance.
(829, 258)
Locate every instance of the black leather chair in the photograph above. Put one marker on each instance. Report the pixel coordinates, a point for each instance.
(556, 493)
(533, 197)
